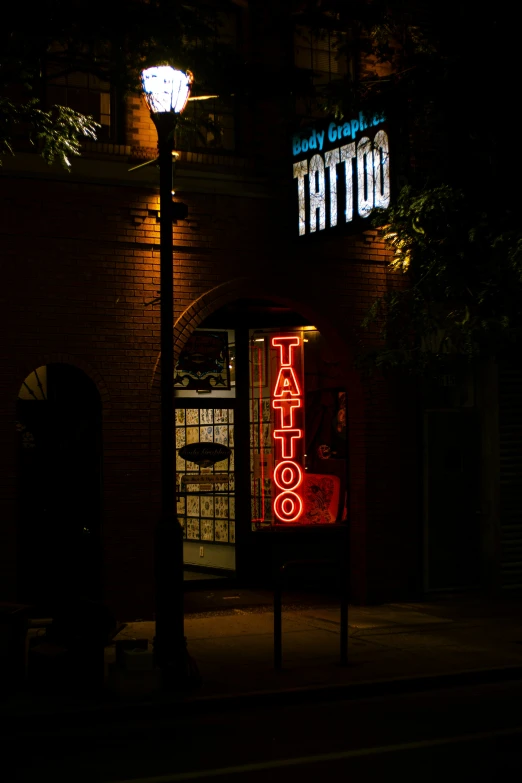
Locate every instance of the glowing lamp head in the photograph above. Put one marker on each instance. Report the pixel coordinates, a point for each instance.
(166, 89)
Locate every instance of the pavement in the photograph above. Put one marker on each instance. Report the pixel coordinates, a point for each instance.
(392, 647)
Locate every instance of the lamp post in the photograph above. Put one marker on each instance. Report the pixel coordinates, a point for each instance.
(166, 91)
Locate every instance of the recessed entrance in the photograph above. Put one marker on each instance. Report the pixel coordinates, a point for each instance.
(225, 506)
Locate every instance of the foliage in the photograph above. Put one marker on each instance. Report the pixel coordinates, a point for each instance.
(461, 287)
(56, 132)
(110, 41)
(444, 76)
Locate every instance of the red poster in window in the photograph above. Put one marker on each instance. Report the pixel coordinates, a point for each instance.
(288, 434)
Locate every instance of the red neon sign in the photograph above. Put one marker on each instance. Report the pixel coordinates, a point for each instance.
(288, 434)
(288, 475)
(286, 383)
(286, 344)
(286, 419)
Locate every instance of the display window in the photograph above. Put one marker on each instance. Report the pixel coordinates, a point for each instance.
(290, 419)
(297, 432)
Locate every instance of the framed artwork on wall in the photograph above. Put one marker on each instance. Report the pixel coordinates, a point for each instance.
(203, 364)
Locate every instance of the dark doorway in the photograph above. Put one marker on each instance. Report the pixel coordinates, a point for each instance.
(452, 530)
(60, 482)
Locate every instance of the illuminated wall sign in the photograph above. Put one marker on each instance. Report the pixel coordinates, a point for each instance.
(288, 433)
(338, 184)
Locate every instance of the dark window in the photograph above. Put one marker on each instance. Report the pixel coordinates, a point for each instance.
(87, 94)
(324, 55)
(211, 124)
(321, 53)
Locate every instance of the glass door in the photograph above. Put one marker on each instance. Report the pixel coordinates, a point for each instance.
(206, 484)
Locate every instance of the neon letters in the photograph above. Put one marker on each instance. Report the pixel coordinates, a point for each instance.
(288, 434)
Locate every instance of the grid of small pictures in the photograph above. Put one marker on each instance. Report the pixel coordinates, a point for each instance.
(206, 495)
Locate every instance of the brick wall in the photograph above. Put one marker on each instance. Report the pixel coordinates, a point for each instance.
(141, 133)
(80, 263)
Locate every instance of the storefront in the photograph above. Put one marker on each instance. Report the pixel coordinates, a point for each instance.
(260, 437)
(275, 425)
(276, 263)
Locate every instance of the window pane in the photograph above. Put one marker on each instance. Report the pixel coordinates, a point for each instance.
(205, 493)
(319, 53)
(85, 93)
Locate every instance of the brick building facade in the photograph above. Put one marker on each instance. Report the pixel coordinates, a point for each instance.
(80, 261)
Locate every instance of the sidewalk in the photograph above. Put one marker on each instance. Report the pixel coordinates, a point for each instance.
(404, 646)
(234, 651)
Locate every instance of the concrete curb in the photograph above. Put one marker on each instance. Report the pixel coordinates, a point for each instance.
(165, 708)
(365, 689)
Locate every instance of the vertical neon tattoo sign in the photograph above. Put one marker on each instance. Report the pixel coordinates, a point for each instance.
(287, 402)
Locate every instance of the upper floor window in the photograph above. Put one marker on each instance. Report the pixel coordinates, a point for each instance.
(212, 123)
(77, 77)
(87, 94)
(321, 53)
(324, 54)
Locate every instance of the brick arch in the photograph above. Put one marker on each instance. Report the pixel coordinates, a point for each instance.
(251, 287)
(288, 294)
(192, 317)
(25, 369)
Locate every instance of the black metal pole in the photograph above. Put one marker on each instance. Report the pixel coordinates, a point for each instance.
(278, 621)
(345, 587)
(169, 642)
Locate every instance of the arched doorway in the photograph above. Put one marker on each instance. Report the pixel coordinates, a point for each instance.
(223, 509)
(59, 487)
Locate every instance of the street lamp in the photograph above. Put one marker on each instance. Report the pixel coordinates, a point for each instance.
(166, 91)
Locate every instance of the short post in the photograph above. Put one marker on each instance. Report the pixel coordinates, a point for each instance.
(278, 636)
(344, 571)
(277, 579)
